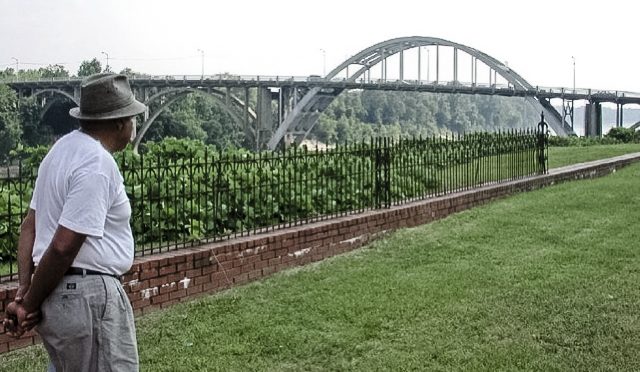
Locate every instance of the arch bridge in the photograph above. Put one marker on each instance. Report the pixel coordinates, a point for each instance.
(273, 109)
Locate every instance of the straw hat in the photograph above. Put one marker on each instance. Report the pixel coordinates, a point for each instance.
(106, 96)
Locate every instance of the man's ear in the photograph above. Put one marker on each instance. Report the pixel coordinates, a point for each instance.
(122, 122)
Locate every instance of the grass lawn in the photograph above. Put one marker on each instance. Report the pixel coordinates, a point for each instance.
(542, 281)
(561, 156)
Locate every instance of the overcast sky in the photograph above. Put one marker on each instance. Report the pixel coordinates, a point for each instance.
(285, 37)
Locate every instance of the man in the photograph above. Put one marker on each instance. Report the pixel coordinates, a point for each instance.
(76, 240)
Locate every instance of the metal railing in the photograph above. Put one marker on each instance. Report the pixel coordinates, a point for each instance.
(180, 201)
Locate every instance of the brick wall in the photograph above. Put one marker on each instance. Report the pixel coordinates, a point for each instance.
(159, 281)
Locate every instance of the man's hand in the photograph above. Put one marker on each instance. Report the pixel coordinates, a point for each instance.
(17, 320)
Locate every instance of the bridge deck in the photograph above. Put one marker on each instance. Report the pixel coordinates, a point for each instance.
(219, 81)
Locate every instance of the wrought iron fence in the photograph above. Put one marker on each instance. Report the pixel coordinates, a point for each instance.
(180, 201)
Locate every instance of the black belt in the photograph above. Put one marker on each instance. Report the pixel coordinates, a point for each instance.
(79, 271)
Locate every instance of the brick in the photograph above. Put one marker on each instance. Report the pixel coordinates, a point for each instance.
(255, 274)
(193, 273)
(226, 265)
(261, 265)
(180, 258)
(174, 278)
(282, 252)
(241, 279)
(194, 290)
(233, 272)
(140, 303)
(202, 280)
(5, 338)
(210, 287)
(178, 294)
(288, 243)
(246, 268)
(157, 282)
(20, 343)
(209, 269)
(185, 266)
(149, 273)
(160, 298)
(267, 255)
(218, 276)
(238, 263)
(202, 262)
(129, 277)
(253, 258)
(168, 288)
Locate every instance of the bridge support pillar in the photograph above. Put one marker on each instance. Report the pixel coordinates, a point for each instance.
(264, 118)
(619, 115)
(593, 120)
(76, 93)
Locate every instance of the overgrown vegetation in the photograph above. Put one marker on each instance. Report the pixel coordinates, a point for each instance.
(183, 191)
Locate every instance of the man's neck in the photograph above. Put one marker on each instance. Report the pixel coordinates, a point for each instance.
(103, 137)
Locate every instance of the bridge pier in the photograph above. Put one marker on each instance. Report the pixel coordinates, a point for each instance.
(567, 111)
(619, 115)
(593, 120)
(264, 116)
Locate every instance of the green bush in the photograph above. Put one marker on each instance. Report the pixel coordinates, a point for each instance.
(622, 135)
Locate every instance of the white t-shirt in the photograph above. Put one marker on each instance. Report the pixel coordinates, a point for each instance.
(80, 187)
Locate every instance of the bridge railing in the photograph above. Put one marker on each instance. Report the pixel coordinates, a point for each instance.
(181, 200)
(277, 80)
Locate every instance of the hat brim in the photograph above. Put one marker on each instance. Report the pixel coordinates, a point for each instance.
(132, 109)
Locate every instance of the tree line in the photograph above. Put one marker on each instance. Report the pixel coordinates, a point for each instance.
(361, 114)
(353, 116)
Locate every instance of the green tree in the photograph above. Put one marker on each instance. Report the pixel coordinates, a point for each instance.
(9, 121)
(129, 72)
(8, 74)
(34, 130)
(88, 68)
(53, 71)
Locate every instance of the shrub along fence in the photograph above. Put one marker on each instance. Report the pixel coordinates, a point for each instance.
(184, 193)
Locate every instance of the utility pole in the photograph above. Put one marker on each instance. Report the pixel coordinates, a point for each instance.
(106, 68)
(574, 74)
(324, 63)
(202, 51)
(17, 67)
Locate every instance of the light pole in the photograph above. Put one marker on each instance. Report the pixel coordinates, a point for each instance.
(17, 67)
(324, 63)
(106, 69)
(574, 74)
(202, 51)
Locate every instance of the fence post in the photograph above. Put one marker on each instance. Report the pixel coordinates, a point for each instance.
(542, 145)
(383, 174)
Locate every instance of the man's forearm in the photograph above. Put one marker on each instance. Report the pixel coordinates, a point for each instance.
(25, 249)
(54, 263)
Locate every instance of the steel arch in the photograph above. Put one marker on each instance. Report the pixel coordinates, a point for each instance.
(58, 91)
(375, 54)
(182, 92)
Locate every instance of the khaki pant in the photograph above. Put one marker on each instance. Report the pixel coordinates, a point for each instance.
(88, 325)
